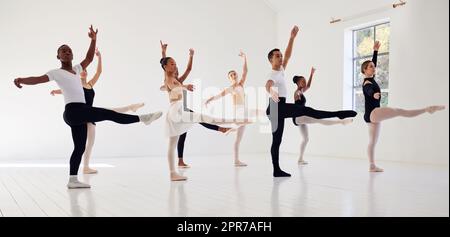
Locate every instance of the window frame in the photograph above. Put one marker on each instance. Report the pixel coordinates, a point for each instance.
(356, 89)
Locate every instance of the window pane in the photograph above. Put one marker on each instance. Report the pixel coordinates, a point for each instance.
(383, 35)
(363, 50)
(358, 77)
(364, 40)
(359, 101)
(384, 99)
(382, 75)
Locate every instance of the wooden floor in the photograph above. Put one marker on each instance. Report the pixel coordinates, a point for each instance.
(140, 187)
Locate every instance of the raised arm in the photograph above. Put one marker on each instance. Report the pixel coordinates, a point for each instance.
(31, 81)
(376, 48)
(290, 47)
(189, 66)
(163, 49)
(216, 97)
(245, 70)
(91, 51)
(95, 78)
(311, 76)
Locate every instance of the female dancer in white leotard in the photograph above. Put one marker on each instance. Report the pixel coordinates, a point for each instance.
(236, 89)
(178, 120)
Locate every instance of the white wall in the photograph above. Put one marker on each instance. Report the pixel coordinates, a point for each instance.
(31, 124)
(419, 76)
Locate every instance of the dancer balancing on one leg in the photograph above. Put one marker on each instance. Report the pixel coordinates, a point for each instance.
(178, 120)
(374, 114)
(77, 114)
(279, 110)
(89, 94)
(236, 89)
(182, 139)
(304, 121)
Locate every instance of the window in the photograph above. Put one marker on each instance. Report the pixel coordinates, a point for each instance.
(363, 41)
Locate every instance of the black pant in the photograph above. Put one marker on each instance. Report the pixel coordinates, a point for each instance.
(182, 138)
(278, 112)
(77, 115)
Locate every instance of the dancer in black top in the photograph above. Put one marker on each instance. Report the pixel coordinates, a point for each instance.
(302, 122)
(374, 114)
(279, 110)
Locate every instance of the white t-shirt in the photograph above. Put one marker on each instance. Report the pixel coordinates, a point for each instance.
(69, 83)
(279, 82)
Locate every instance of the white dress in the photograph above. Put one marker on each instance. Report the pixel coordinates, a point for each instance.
(178, 121)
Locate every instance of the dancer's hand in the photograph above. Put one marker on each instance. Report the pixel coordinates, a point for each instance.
(17, 82)
(97, 53)
(275, 96)
(377, 96)
(53, 93)
(294, 32)
(163, 46)
(190, 87)
(92, 34)
(313, 70)
(377, 46)
(242, 54)
(208, 102)
(191, 52)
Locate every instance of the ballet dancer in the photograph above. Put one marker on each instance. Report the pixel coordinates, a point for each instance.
(77, 114)
(179, 120)
(182, 139)
(278, 110)
(89, 94)
(236, 89)
(374, 114)
(302, 122)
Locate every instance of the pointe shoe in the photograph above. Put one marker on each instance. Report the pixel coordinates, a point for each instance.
(89, 171)
(302, 162)
(77, 185)
(184, 166)
(434, 109)
(347, 121)
(150, 118)
(375, 169)
(240, 164)
(175, 177)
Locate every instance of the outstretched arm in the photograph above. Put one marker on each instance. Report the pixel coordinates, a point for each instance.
(245, 70)
(94, 79)
(290, 47)
(376, 48)
(31, 81)
(189, 66)
(311, 76)
(91, 51)
(216, 97)
(163, 49)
